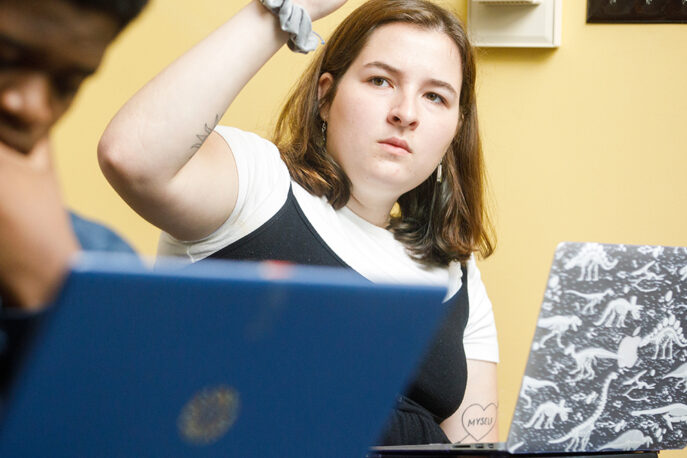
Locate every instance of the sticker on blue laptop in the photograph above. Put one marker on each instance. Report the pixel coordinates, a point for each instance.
(208, 415)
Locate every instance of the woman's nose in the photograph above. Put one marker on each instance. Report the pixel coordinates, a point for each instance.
(403, 111)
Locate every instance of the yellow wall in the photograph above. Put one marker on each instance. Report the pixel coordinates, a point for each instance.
(583, 143)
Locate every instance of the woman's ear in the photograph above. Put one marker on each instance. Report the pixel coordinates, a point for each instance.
(323, 86)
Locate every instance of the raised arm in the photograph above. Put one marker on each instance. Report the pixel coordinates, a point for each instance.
(158, 152)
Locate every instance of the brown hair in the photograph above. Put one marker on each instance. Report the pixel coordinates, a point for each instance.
(438, 222)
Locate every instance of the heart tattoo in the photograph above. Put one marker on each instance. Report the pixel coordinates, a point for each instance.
(478, 420)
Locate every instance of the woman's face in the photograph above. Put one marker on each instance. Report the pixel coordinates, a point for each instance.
(395, 111)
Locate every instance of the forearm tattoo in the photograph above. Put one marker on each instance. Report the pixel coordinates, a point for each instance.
(207, 130)
(478, 421)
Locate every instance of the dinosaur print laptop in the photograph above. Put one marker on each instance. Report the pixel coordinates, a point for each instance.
(608, 364)
(607, 369)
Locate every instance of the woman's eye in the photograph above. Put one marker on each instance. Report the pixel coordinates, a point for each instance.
(434, 97)
(379, 81)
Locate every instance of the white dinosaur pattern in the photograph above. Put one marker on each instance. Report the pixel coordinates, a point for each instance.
(585, 360)
(673, 413)
(589, 259)
(593, 299)
(667, 333)
(546, 414)
(629, 440)
(558, 325)
(579, 435)
(681, 374)
(531, 384)
(617, 310)
(644, 274)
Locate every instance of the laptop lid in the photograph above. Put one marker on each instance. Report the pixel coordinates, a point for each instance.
(607, 369)
(222, 359)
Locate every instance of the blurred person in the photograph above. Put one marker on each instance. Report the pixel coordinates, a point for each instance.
(47, 49)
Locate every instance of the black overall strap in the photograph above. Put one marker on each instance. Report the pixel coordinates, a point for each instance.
(287, 236)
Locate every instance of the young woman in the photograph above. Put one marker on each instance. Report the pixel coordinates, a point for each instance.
(384, 115)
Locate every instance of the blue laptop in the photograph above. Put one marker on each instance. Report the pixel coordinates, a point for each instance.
(220, 359)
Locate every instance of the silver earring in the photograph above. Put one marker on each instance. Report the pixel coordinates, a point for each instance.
(324, 133)
(439, 174)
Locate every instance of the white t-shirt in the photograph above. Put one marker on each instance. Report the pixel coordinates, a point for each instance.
(372, 251)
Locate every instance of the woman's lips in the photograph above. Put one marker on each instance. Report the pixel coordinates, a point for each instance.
(396, 145)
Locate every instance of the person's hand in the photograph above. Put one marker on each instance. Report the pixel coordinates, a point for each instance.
(36, 238)
(317, 9)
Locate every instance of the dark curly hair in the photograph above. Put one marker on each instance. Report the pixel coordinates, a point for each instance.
(123, 10)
